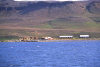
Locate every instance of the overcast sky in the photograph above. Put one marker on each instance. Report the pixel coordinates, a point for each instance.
(50, 0)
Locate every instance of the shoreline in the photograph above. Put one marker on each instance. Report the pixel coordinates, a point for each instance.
(63, 40)
(55, 40)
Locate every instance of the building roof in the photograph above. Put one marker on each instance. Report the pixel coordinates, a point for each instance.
(65, 36)
(84, 35)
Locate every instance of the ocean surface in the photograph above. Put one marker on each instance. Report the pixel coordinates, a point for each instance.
(50, 54)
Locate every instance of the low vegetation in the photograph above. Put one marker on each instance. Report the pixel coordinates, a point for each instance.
(4, 38)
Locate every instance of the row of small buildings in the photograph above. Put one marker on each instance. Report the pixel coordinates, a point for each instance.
(51, 38)
(34, 38)
(71, 36)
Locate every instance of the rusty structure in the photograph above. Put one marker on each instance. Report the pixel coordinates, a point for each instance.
(30, 38)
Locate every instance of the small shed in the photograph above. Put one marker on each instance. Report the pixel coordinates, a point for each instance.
(47, 38)
(84, 36)
(65, 36)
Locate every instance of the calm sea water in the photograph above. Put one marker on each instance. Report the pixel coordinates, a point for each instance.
(50, 54)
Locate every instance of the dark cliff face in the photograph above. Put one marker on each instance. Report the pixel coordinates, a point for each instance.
(27, 7)
(94, 7)
(40, 5)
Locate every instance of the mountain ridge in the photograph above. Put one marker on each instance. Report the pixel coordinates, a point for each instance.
(58, 15)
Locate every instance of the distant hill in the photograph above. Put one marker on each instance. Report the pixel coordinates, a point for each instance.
(71, 16)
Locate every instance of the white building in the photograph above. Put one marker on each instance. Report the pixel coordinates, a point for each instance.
(47, 38)
(65, 36)
(84, 36)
